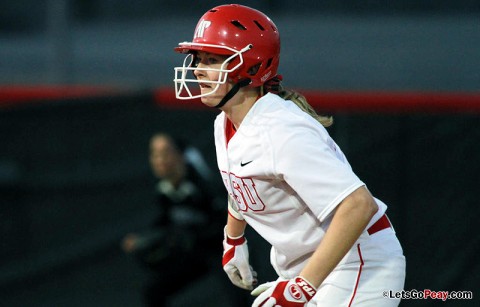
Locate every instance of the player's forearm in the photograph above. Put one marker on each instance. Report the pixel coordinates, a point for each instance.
(235, 227)
(348, 223)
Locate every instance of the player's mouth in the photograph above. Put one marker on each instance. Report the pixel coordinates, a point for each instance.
(204, 85)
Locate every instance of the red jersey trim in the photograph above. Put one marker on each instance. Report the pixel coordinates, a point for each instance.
(229, 130)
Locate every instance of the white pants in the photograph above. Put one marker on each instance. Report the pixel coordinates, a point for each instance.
(374, 264)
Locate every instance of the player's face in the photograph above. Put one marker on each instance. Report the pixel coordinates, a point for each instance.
(206, 60)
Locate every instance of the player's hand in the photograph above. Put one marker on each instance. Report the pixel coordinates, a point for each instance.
(295, 292)
(235, 262)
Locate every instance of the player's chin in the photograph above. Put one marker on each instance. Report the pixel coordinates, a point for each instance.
(211, 100)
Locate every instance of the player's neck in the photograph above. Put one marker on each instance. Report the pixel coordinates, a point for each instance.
(238, 107)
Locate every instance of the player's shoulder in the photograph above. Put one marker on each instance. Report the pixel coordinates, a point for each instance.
(277, 113)
(268, 104)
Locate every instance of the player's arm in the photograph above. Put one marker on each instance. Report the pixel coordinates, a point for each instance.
(349, 221)
(235, 259)
(235, 227)
(307, 164)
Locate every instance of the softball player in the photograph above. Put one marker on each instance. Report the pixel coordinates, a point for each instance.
(332, 244)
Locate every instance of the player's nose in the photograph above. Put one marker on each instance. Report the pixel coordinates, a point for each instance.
(199, 71)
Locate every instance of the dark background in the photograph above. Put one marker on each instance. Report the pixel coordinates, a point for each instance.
(74, 176)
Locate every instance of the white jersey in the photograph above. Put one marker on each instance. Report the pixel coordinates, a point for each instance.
(285, 176)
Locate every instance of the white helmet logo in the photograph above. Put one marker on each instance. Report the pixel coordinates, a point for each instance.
(200, 30)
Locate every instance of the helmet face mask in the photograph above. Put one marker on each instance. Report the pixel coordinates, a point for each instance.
(185, 75)
(249, 39)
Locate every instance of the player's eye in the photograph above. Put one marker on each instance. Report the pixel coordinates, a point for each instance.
(206, 59)
(213, 60)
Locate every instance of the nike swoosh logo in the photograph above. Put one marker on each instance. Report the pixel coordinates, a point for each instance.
(243, 164)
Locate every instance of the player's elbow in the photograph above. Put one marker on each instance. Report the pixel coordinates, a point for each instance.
(362, 201)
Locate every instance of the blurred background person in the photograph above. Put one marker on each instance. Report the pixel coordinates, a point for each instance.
(178, 246)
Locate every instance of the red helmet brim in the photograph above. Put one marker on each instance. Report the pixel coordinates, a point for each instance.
(189, 48)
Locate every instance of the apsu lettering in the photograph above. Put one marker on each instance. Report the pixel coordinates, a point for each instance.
(243, 191)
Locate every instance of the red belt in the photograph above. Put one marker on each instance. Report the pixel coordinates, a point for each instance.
(381, 224)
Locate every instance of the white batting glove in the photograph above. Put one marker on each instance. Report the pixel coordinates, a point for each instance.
(235, 262)
(296, 292)
(263, 287)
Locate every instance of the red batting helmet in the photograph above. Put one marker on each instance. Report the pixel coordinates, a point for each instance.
(248, 36)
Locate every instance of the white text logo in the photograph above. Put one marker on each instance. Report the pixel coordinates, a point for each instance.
(200, 30)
